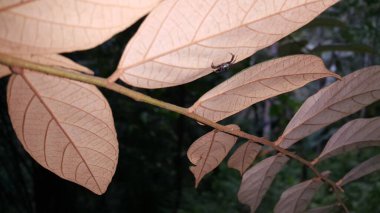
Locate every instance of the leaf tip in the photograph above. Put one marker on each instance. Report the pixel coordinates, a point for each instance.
(337, 76)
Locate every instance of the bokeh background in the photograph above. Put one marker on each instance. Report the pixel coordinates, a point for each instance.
(152, 173)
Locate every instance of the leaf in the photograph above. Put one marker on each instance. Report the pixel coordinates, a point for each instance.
(208, 151)
(54, 60)
(66, 126)
(332, 103)
(365, 168)
(257, 180)
(296, 198)
(258, 83)
(323, 209)
(244, 156)
(53, 26)
(179, 40)
(356, 134)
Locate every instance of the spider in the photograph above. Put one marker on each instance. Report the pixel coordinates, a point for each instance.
(223, 66)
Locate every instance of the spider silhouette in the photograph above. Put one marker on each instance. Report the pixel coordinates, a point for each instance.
(224, 66)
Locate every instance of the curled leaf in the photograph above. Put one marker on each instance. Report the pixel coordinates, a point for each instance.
(208, 151)
(66, 126)
(244, 156)
(354, 92)
(180, 39)
(363, 169)
(353, 135)
(62, 26)
(257, 179)
(296, 198)
(258, 83)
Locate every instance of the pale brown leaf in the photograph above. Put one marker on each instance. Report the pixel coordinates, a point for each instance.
(296, 198)
(208, 151)
(258, 83)
(332, 103)
(244, 156)
(323, 209)
(180, 39)
(52, 26)
(66, 126)
(257, 180)
(363, 169)
(354, 135)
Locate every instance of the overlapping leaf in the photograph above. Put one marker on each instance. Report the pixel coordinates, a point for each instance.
(330, 104)
(258, 83)
(180, 39)
(258, 179)
(363, 169)
(296, 198)
(244, 156)
(52, 26)
(355, 134)
(208, 151)
(66, 126)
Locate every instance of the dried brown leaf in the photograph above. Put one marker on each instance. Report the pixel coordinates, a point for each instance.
(258, 83)
(363, 169)
(52, 26)
(332, 103)
(180, 39)
(66, 126)
(323, 209)
(208, 151)
(353, 135)
(244, 156)
(257, 180)
(296, 198)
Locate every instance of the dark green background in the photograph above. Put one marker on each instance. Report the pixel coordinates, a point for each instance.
(152, 173)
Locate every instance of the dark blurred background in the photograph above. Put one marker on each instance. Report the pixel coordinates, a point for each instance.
(152, 173)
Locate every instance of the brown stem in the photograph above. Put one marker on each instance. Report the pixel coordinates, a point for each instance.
(137, 96)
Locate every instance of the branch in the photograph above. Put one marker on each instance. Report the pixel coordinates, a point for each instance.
(137, 96)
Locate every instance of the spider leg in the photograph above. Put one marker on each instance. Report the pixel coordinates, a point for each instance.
(233, 58)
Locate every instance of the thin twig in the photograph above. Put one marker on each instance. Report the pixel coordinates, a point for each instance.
(137, 96)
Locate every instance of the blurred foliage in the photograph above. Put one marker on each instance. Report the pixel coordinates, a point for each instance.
(153, 175)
